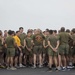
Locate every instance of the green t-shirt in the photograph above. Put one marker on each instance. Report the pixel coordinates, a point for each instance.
(73, 37)
(53, 40)
(64, 38)
(28, 42)
(32, 36)
(46, 40)
(38, 39)
(10, 42)
(22, 37)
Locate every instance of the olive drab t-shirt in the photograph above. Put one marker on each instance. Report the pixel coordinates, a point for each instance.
(32, 36)
(38, 39)
(53, 40)
(22, 37)
(64, 37)
(28, 42)
(10, 42)
(46, 40)
(73, 37)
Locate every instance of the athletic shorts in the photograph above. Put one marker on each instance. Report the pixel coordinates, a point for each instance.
(64, 49)
(10, 52)
(51, 52)
(30, 53)
(45, 50)
(37, 49)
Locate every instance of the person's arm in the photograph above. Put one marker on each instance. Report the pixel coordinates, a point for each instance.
(24, 43)
(49, 44)
(44, 43)
(33, 39)
(45, 46)
(57, 45)
(6, 43)
(29, 49)
(2, 40)
(32, 44)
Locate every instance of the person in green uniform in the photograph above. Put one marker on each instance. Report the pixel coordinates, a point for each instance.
(4, 45)
(10, 43)
(29, 47)
(22, 36)
(69, 57)
(45, 47)
(64, 38)
(53, 43)
(31, 31)
(73, 48)
(1, 50)
(38, 45)
(23, 44)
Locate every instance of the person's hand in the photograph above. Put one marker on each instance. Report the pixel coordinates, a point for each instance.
(55, 49)
(46, 46)
(20, 49)
(23, 47)
(29, 49)
(21, 54)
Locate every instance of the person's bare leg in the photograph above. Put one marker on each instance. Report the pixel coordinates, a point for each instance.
(60, 60)
(30, 60)
(40, 60)
(11, 61)
(34, 60)
(20, 59)
(64, 61)
(25, 59)
(16, 61)
(50, 62)
(43, 58)
(55, 61)
(8, 62)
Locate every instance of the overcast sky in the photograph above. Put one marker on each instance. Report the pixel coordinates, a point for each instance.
(42, 14)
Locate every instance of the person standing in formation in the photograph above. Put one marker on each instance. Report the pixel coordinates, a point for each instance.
(10, 44)
(38, 46)
(64, 38)
(53, 43)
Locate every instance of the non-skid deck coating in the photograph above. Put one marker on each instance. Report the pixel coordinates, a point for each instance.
(37, 71)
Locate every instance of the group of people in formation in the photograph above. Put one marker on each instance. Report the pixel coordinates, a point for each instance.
(37, 48)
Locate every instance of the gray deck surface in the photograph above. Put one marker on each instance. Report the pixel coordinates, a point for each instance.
(37, 71)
